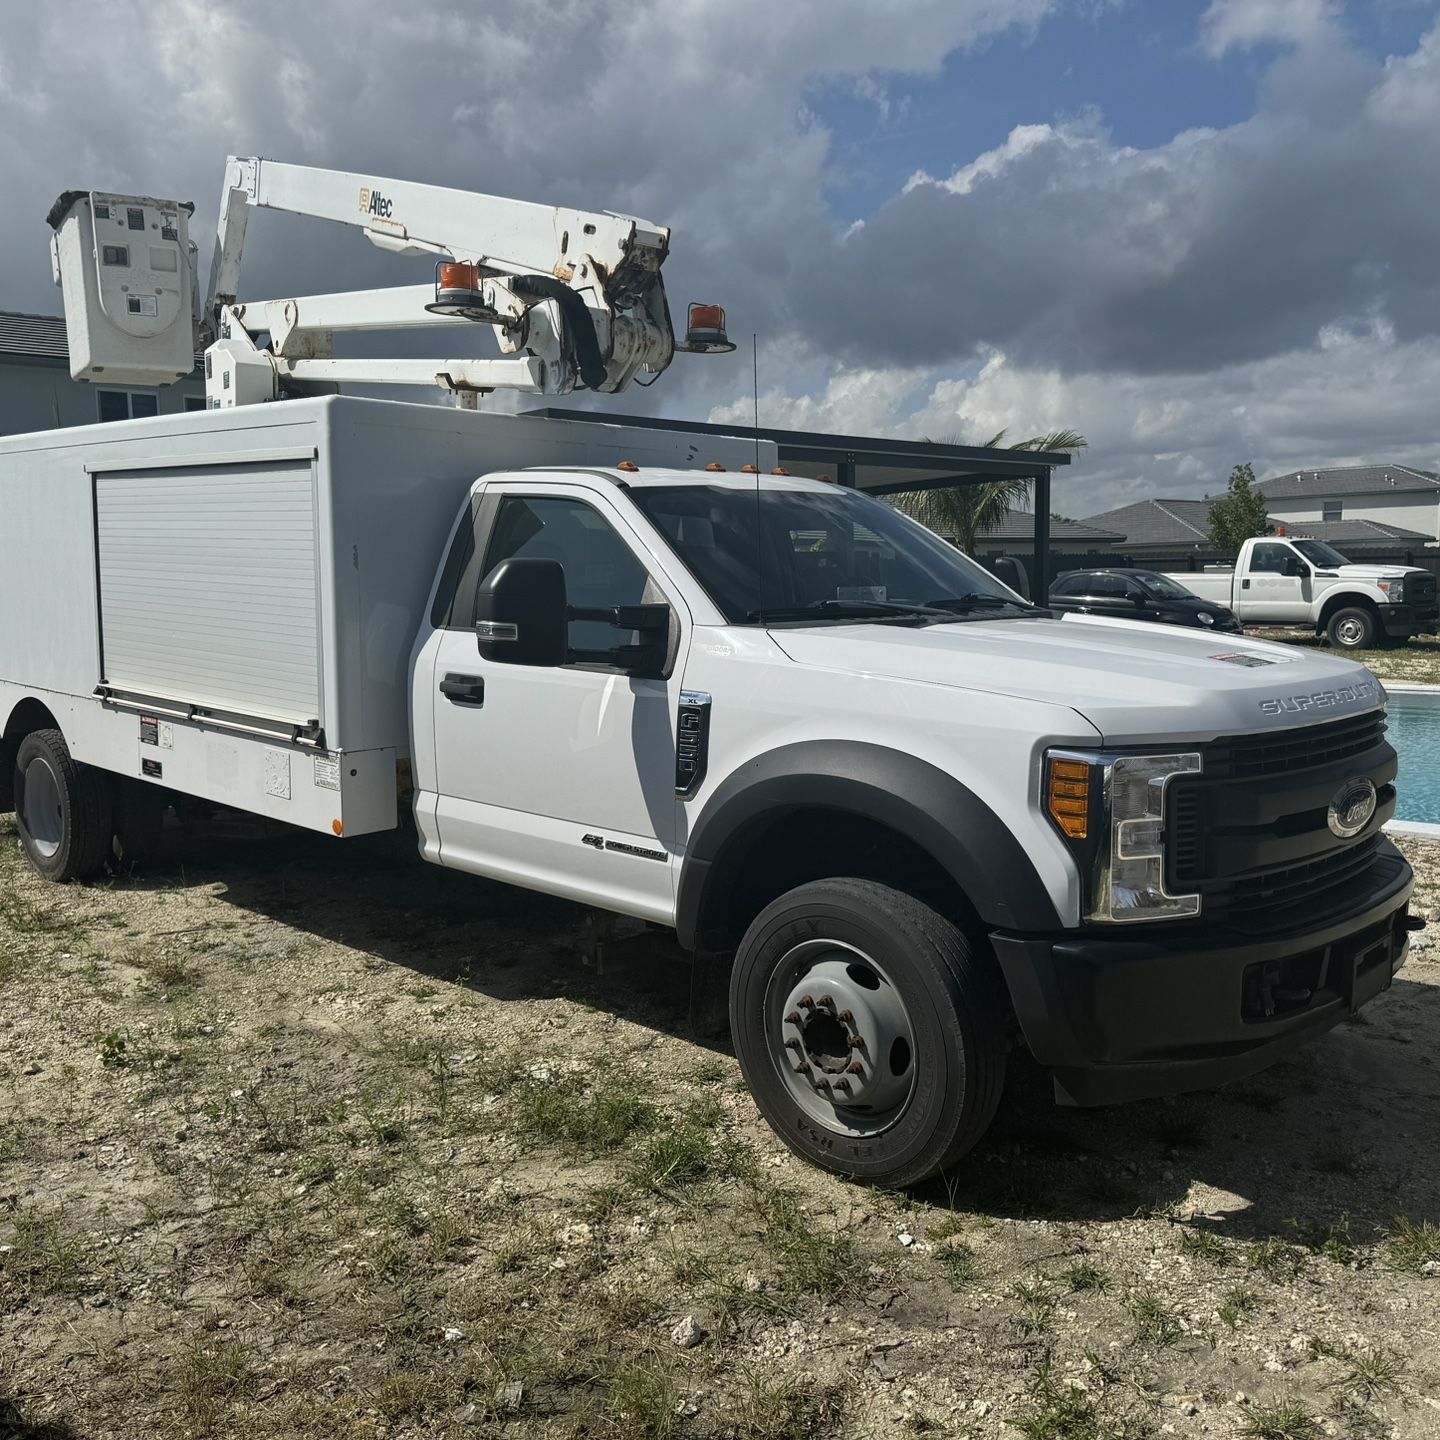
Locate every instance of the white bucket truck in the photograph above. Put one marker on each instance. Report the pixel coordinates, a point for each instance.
(918, 818)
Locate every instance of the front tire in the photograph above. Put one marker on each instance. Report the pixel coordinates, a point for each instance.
(1352, 629)
(62, 810)
(870, 1030)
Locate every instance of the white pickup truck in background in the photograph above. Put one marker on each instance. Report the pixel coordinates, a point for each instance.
(1280, 581)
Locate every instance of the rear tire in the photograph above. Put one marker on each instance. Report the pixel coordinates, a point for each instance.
(62, 810)
(1352, 628)
(894, 1067)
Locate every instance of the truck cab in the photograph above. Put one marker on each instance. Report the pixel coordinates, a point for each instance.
(1280, 580)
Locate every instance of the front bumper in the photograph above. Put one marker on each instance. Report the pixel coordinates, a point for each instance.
(1121, 1016)
(1409, 619)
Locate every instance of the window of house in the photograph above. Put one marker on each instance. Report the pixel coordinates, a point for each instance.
(1332, 510)
(127, 404)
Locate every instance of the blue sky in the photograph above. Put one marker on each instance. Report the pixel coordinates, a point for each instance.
(1140, 67)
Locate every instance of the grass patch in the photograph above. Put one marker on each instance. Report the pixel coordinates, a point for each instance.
(784, 1411)
(1277, 1260)
(642, 1403)
(1037, 1306)
(677, 1154)
(958, 1264)
(1285, 1421)
(1410, 1246)
(45, 1257)
(1239, 1303)
(1154, 1321)
(1205, 1245)
(560, 1111)
(806, 1258)
(211, 1375)
(1084, 1278)
(1369, 1373)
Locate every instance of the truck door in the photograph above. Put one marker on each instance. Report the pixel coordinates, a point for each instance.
(561, 778)
(1271, 589)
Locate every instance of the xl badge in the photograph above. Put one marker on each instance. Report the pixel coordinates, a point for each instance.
(1351, 808)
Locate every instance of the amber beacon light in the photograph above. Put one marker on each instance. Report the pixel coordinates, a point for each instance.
(705, 331)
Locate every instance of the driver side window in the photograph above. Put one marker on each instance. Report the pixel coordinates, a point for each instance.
(600, 568)
(1270, 559)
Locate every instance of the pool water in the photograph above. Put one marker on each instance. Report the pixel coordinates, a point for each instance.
(1415, 733)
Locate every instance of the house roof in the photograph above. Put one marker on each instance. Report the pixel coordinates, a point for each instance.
(1347, 532)
(1020, 525)
(1343, 480)
(22, 334)
(1158, 522)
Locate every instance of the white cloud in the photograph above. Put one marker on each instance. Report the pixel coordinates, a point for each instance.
(1246, 23)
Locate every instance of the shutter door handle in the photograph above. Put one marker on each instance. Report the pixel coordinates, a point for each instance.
(463, 689)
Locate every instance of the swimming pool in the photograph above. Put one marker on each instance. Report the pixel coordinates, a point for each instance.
(1415, 733)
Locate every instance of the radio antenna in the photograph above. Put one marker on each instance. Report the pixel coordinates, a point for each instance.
(759, 542)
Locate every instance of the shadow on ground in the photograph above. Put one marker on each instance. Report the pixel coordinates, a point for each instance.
(1340, 1135)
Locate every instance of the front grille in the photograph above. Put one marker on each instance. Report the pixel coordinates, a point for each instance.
(1233, 832)
(1270, 890)
(1420, 589)
(1290, 751)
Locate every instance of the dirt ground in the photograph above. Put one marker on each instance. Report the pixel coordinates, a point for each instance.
(307, 1138)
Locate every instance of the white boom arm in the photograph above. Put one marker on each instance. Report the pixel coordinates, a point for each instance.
(575, 295)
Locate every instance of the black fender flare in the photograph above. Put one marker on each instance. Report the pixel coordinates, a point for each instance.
(910, 796)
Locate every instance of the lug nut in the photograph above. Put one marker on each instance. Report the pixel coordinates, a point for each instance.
(843, 1086)
(857, 1042)
(856, 1069)
(822, 1084)
(792, 1044)
(828, 1001)
(803, 1068)
(846, 1017)
(805, 1003)
(793, 1018)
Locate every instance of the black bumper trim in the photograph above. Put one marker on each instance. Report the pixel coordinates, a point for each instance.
(1119, 1016)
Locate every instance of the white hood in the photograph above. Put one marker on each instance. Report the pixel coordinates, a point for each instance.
(1371, 572)
(1132, 681)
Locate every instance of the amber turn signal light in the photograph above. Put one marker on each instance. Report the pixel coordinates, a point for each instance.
(1067, 797)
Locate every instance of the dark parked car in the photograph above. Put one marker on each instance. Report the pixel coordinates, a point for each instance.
(1138, 595)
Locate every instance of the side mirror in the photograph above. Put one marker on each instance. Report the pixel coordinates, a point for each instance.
(1295, 566)
(1139, 599)
(521, 613)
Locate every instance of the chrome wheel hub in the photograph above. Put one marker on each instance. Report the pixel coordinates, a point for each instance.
(841, 1037)
(1351, 632)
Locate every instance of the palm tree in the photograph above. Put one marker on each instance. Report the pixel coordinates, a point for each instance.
(963, 513)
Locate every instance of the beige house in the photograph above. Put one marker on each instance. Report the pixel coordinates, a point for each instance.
(1391, 495)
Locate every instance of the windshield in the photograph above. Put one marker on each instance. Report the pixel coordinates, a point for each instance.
(1317, 552)
(1164, 586)
(834, 553)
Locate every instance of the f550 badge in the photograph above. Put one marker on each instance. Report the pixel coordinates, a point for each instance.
(372, 202)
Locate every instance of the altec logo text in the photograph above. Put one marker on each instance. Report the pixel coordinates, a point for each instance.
(372, 202)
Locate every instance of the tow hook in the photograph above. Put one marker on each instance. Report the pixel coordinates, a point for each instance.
(1414, 923)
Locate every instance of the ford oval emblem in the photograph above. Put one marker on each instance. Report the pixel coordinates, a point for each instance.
(1351, 808)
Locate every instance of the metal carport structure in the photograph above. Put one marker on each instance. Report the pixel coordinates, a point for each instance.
(877, 464)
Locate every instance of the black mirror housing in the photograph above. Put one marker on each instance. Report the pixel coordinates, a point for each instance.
(522, 613)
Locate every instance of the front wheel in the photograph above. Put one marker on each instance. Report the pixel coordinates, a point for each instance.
(870, 1029)
(1351, 629)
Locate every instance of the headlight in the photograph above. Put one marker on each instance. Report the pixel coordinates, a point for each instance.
(1205, 618)
(1111, 810)
(1393, 590)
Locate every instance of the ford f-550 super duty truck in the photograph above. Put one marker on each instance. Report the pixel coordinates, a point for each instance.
(918, 818)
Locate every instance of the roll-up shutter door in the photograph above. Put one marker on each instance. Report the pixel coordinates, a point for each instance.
(209, 587)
